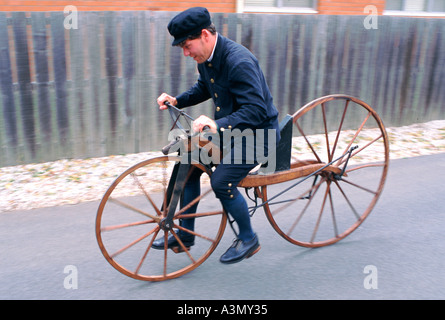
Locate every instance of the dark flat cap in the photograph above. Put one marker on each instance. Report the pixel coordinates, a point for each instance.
(187, 23)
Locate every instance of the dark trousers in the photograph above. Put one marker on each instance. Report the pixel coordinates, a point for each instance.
(224, 182)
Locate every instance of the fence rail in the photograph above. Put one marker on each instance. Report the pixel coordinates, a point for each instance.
(91, 91)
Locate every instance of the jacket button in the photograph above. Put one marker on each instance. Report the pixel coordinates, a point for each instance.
(216, 95)
(210, 65)
(212, 80)
(218, 108)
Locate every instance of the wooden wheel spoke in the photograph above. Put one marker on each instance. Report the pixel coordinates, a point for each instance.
(193, 202)
(182, 245)
(360, 187)
(328, 185)
(303, 211)
(334, 220)
(126, 225)
(165, 253)
(368, 165)
(198, 215)
(311, 190)
(354, 137)
(146, 251)
(348, 201)
(308, 142)
(132, 208)
(134, 242)
(328, 150)
(158, 212)
(334, 147)
(194, 233)
(165, 184)
(361, 149)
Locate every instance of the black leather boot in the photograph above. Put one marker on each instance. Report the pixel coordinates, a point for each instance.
(240, 250)
(187, 239)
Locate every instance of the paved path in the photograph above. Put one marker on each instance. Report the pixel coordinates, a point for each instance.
(401, 242)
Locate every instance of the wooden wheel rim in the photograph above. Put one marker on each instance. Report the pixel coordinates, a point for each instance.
(298, 115)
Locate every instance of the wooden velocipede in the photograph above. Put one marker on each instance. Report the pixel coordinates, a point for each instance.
(313, 202)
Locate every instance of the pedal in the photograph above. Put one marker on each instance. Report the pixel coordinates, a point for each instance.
(179, 249)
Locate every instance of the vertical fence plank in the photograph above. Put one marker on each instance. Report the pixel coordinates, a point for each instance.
(9, 150)
(144, 61)
(40, 44)
(294, 65)
(247, 31)
(163, 55)
(95, 93)
(111, 68)
(435, 95)
(232, 25)
(24, 83)
(283, 66)
(59, 67)
(78, 104)
(307, 43)
(269, 54)
(432, 65)
(131, 124)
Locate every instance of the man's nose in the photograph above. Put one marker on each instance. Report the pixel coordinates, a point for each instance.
(186, 52)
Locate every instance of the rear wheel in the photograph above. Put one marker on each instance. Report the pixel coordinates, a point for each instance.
(326, 208)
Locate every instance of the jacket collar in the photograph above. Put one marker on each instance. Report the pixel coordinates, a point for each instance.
(217, 54)
(213, 50)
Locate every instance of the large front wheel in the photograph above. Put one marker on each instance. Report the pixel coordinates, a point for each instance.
(327, 207)
(129, 220)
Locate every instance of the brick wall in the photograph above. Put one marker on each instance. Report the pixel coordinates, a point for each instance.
(345, 7)
(348, 6)
(112, 5)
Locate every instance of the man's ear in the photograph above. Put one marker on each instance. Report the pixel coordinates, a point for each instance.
(205, 34)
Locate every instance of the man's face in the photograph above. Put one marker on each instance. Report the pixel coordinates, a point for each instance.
(198, 49)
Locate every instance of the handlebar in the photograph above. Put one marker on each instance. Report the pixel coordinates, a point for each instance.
(171, 108)
(182, 113)
(166, 150)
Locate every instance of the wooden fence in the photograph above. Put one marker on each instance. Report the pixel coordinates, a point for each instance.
(91, 91)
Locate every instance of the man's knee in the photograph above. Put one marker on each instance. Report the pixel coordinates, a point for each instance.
(223, 188)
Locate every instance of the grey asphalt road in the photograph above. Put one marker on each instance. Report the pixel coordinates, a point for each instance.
(401, 245)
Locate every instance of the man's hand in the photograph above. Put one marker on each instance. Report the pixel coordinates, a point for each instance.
(165, 97)
(203, 121)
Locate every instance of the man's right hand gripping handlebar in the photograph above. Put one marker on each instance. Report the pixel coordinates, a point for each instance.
(164, 98)
(202, 123)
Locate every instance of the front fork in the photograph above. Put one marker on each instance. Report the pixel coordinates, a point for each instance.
(173, 194)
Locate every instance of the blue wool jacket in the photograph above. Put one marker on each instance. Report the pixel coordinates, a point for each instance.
(235, 82)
